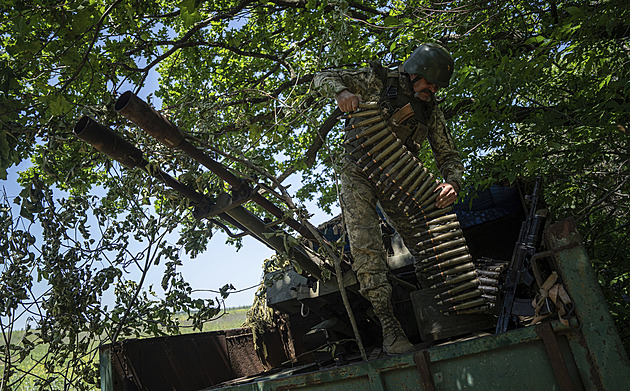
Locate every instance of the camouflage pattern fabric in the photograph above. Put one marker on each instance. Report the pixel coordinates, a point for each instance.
(363, 82)
(368, 85)
(359, 195)
(358, 202)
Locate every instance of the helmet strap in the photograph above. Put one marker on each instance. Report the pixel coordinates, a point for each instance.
(415, 79)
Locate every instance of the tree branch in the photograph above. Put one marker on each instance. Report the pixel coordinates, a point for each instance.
(97, 29)
(196, 28)
(274, 94)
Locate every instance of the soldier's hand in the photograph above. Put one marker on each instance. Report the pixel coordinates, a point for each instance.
(448, 194)
(347, 101)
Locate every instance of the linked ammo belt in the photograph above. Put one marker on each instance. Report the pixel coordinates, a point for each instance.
(443, 262)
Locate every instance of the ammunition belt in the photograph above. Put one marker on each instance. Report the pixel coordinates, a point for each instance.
(443, 262)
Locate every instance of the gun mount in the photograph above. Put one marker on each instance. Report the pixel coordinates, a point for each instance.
(229, 207)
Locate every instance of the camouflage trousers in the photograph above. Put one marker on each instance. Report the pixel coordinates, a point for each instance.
(359, 197)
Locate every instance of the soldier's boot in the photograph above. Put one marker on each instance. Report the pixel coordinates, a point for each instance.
(394, 339)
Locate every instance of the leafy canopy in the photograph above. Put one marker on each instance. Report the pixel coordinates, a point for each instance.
(541, 88)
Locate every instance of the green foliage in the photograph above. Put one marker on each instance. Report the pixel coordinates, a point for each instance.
(540, 88)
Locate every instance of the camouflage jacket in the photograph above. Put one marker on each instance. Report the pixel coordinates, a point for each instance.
(369, 85)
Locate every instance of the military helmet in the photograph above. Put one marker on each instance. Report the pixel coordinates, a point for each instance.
(432, 62)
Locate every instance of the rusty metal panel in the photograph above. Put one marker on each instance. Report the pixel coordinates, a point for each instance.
(545, 332)
(183, 362)
(515, 360)
(422, 362)
(241, 352)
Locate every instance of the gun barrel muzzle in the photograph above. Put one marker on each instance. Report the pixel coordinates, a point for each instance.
(108, 142)
(140, 113)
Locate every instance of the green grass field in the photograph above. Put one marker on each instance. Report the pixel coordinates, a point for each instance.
(232, 319)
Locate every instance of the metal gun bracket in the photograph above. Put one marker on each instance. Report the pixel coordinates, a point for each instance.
(223, 204)
(225, 201)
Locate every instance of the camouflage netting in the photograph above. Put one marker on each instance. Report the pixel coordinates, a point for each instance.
(266, 322)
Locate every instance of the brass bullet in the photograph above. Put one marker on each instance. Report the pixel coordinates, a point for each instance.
(389, 161)
(429, 194)
(459, 288)
(450, 262)
(382, 144)
(396, 167)
(442, 220)
(363, 123)
(478, 310)
(408, 199)
(443, 256)
(371, 140)
(438, 229)
(488, 273)
(383, 154)
(414, 174)
(371, 130)
(489, 281)
(422, 217)
(401, 185)
(467, 305)
(464, 296)
(488, 289)
(457, 279)
(454, 270)
(360, 114)
(440, 238)
(443, 246)
(419, 194)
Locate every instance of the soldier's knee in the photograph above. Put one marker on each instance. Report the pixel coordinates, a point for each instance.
(371, 283)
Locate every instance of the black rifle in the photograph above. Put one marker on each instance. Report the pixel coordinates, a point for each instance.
(518, 271)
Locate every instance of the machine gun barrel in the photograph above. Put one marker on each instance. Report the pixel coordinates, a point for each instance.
(114, 146)
(140, 113)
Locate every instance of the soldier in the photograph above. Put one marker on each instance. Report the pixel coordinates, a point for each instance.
(414, 83)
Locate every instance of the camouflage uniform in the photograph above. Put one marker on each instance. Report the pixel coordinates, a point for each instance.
(359, 196)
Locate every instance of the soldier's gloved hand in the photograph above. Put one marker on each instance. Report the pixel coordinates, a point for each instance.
(448, 194)
(347, 101)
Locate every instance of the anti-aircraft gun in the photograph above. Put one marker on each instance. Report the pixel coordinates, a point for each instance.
(227, 206)
(448, 287)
